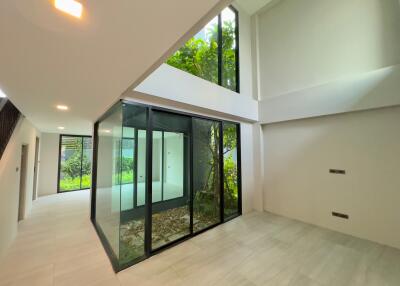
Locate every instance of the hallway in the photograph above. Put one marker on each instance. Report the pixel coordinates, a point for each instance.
(58, 246)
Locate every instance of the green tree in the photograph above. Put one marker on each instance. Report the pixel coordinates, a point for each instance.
(200, 56)
(71, 167)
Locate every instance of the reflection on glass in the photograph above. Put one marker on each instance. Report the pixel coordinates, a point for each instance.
(127, 168)
(173, 165)
(206, 174)
(75, 163)
(133, 179)
(228, 18)
(170, 209)
(157, 166)
(108, 194)
(141, 168)
(231, 190)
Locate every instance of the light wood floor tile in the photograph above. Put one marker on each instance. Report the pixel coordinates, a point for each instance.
(58, 246)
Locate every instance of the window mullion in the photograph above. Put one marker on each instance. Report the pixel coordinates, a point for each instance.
(220, 50)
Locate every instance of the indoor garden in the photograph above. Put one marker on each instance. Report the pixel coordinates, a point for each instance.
(161, 177)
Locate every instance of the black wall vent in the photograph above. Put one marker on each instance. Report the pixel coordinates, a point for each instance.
(337, 171)
(340, 215)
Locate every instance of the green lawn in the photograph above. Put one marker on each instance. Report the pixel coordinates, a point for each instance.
(71, 184)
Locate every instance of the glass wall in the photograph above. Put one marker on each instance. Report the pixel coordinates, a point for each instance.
(212, 53)
(231, 170)
(161, 177)
(108, 189)
(133, 222)
(207, 174)
(171, 182)
(75, 163)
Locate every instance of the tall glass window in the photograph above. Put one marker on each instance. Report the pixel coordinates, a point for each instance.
(171, 178)
(75, 163)
(229, 49)
(207, 175)
(231, 176)
(108, 190)
(213, 53)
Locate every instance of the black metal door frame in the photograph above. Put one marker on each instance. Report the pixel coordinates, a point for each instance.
(149, 183)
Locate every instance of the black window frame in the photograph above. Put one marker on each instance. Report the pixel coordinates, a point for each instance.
(59, 191)
(220, 52)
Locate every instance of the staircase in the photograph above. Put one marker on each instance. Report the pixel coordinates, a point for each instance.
(9, 116)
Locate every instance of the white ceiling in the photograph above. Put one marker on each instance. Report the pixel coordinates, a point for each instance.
(253, 6)
(49, 58)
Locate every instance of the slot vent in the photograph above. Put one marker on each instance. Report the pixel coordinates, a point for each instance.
(337, 171)
(340, 215)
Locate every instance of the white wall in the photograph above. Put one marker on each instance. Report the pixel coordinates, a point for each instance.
(307, 42)
(173, 84)
(318, 57)
(49, 149)
(250, 182)
(298, 155)
(369, 90)
(24, 134)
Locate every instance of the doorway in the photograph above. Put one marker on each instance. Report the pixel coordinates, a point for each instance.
(35, 169)
(22, 182)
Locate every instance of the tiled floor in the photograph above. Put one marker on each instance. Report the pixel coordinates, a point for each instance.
(57, 245)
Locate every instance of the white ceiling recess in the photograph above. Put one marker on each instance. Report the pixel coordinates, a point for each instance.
(49, 58)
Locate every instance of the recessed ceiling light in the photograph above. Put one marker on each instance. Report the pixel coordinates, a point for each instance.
(2, 94)
(62, 107)
(71, 7)
(60, 127)
(106, 130)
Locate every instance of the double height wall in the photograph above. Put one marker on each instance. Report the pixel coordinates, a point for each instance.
(161, 177)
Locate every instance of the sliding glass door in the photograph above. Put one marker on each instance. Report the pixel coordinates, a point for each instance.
(207, 174)
(75, 163)
(170, 178)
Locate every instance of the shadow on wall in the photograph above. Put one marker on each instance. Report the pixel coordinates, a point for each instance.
(370, 90)
(389, 10)
(298, 155)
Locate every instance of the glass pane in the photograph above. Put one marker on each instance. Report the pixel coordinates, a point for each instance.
(231, 190)
(141, 168)
(108, 195)
(157, 166)
(170, 209)
(173, 154)
(70, 163)
(127, 167)
(134, 155)
(87, 163)
(199, 56)
(206, 174)
(228, 19)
